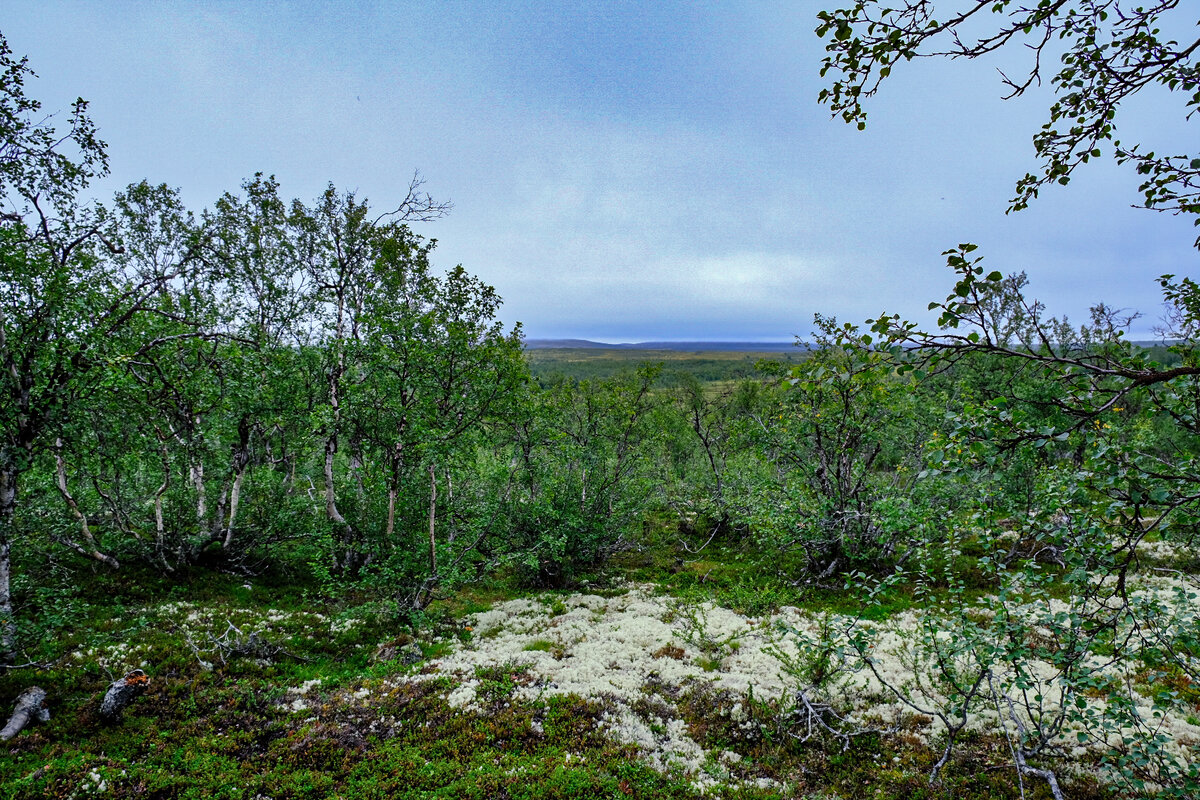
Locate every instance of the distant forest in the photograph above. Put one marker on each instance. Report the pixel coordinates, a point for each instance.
(549, 364)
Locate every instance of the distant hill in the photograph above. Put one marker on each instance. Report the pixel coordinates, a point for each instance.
(584, 344)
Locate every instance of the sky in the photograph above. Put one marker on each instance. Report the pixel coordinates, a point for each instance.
(619, 171)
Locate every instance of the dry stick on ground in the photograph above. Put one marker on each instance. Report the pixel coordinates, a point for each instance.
(816, 716)
(233, 643)
(707, 542)
(31, 706)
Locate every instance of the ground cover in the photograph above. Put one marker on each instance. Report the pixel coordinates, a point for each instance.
(654, 681)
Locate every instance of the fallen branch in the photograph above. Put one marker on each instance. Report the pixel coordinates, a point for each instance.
(815, 716)
(31, 706)
(233, 643)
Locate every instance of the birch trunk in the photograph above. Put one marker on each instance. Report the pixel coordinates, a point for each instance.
(397, 459)
(160, 533)
(356, 467)
(432, 520)
(235, 495)
(214, 534)
(239, 464)
(450, 504)
(391, 512)
(8, 507)
(331, 509)
(89, 548)
(196, 473)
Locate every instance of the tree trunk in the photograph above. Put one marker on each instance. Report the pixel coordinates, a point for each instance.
(432, 519)
(391, 512)
(8, 507)
(331, 509)
(235, 495)
(240, 462)
(89, 549)
(214, 534)
(30, 707)
(335, 407)
(349, 561)
(160, 532)
(450, 504)
(397, 457)
(356, 466)
(197, 475)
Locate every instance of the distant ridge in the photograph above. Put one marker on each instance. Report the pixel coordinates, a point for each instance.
(585, 344)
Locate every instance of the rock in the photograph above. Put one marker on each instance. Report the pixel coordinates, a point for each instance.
(407, 654)
(123, 692)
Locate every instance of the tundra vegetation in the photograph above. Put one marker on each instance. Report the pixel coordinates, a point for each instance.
(284, 514)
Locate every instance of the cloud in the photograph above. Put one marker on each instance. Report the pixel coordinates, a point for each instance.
(624, 172)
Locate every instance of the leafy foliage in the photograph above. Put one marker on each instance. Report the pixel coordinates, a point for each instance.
(1109, 52)
(581, 482)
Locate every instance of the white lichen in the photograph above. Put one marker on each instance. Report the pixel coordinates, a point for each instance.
(622, 649)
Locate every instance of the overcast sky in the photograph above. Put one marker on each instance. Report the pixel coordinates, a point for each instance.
(620, 171)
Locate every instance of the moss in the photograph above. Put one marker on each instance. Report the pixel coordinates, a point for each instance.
(545, 646)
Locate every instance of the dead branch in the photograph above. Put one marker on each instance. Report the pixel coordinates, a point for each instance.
(30, 707)
(233, 643)
(816, 716)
